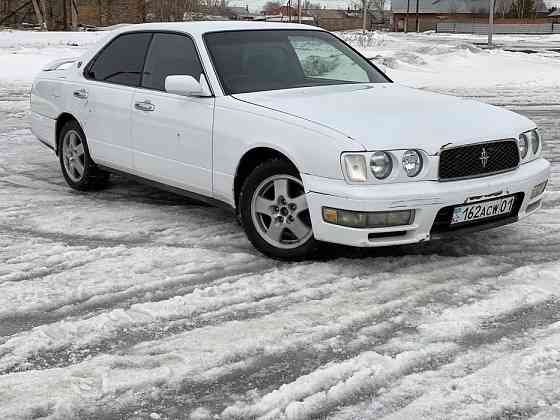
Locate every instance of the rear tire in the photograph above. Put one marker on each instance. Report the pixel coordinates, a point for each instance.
(274, 212)
(78, 169)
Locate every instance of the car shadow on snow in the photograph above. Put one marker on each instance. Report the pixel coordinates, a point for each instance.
(453, 245)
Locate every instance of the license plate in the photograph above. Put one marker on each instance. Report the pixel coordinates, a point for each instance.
(482, 210)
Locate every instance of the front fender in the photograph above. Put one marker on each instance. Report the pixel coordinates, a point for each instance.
(240, 127)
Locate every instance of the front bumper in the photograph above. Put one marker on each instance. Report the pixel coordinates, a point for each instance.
(427, 198)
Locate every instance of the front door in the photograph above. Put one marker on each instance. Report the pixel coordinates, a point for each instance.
(172, 134)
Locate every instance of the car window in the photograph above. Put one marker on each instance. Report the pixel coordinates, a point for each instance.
(320, 59)
(122, 60)
(260, 60)
(170, 54)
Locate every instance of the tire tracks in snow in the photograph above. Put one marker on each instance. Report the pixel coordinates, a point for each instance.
(265, 304)
(395, 265)
(294, 347)
(319, 403)
(93, 305)
(265, 298)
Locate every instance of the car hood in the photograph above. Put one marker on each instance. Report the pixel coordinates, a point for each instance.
(390, 116)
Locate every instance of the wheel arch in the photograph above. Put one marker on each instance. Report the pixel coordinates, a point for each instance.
(249, 161)
(60, 121)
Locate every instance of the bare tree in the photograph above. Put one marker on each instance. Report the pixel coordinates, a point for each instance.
(377, 6)
(176, 10)
(41, 13)
(523, 9)
(271, 6)
(503, 7)
(540, 6)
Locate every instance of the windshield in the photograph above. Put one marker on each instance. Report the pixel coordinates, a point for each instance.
(259, 60)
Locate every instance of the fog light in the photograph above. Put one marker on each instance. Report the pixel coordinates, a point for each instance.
(378, 219)
(538, 189)
(350, 218)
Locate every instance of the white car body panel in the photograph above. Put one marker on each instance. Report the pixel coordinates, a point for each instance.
(196, 144)
(299, 142)
(44, 128)
(385, 116)
(106, 123)
(427, 197)
(173, 143)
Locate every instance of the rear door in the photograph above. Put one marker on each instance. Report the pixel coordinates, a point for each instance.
(172, 134)
(112, 77)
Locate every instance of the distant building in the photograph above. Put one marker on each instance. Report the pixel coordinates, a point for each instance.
(431, 12)
(285, 14)
(240, 13)
(306, 20)
(340, 20)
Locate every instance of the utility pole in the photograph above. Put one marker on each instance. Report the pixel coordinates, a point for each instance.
(491, 23)
(364, 7)
(299, 11)
(406, 17)
(417, 15)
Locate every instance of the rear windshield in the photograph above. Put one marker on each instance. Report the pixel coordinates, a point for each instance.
(260, 60)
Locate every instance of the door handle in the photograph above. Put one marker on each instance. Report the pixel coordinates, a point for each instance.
(145, 106)
(81, 94)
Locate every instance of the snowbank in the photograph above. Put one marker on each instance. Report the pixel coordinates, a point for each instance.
(24, 53)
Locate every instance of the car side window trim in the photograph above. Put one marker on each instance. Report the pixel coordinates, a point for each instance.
(152, 32)
(198, 56)
(94, 59)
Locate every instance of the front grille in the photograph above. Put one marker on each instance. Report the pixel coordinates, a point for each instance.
(478, 159)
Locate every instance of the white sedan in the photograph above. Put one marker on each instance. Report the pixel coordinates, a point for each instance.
(304, 138)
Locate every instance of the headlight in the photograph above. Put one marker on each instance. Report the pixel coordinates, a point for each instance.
(523, 145)
(381, 164)
(412, 162)
(535, 141)
(356, 168)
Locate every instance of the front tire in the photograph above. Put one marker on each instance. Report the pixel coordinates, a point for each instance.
(78, 169)
(274, 212)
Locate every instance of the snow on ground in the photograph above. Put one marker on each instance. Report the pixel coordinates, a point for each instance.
(22, 54)
(135, 303)
(453, 64)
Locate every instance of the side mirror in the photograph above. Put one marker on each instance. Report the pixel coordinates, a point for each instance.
(185, 86)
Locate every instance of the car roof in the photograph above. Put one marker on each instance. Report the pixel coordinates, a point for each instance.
(202, 27)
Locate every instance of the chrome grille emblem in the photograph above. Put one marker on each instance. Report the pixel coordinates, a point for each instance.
(484, 157)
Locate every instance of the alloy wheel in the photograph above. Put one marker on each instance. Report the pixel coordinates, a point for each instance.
(73, 155)
(280, 213)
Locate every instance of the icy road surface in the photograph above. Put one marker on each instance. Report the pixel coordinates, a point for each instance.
(134, 303)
